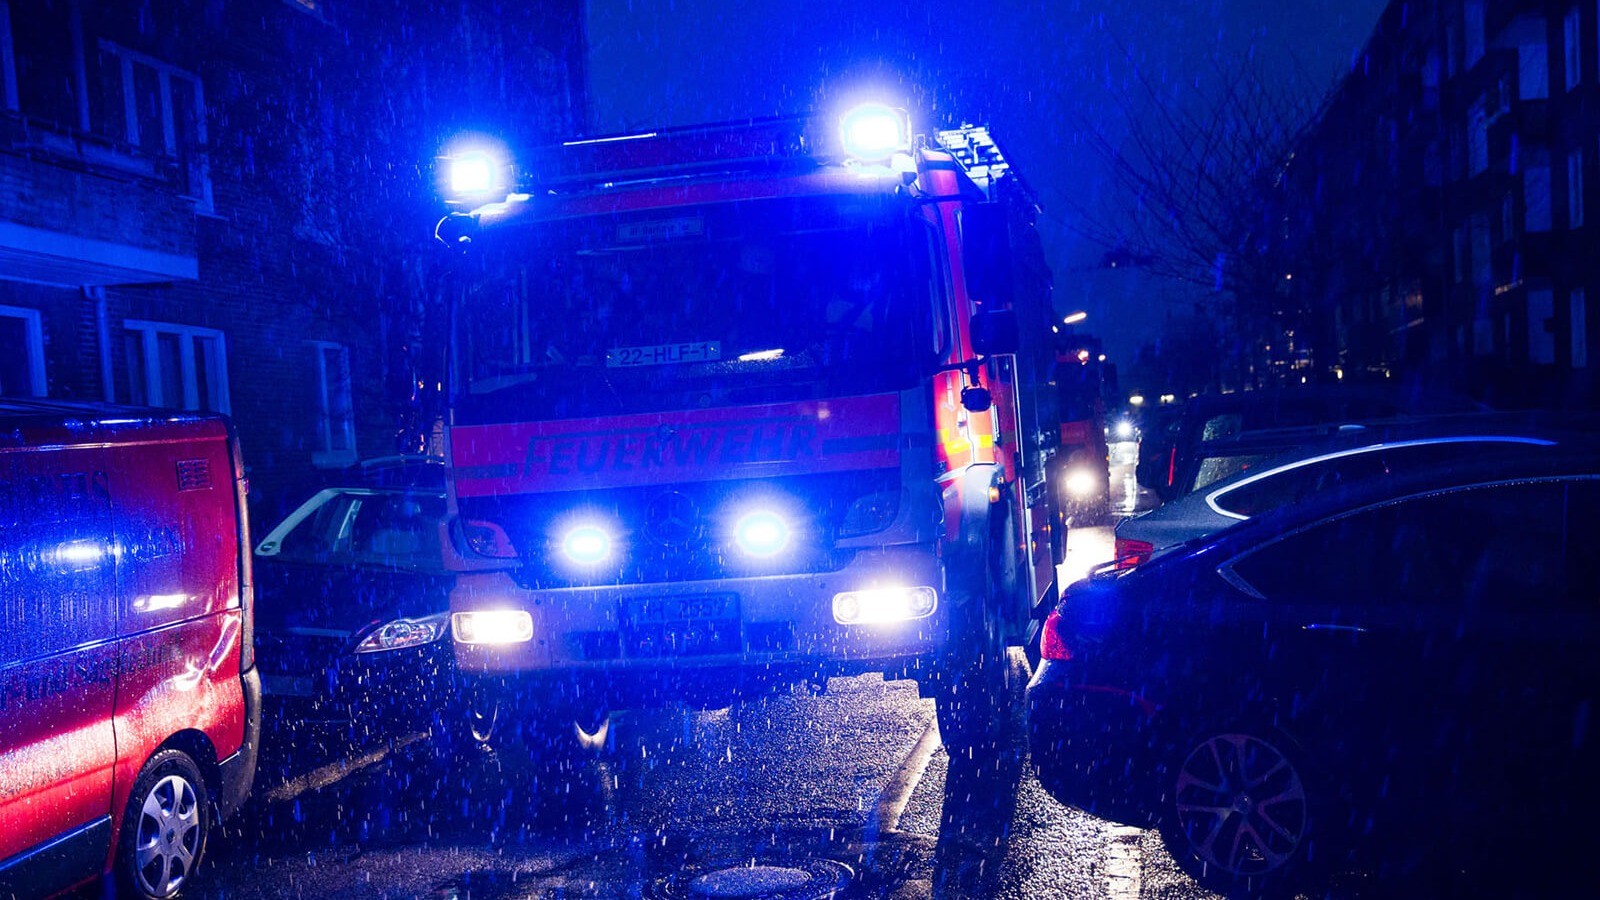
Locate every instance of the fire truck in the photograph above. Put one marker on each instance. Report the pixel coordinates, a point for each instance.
(1083, 461)
(746, 405)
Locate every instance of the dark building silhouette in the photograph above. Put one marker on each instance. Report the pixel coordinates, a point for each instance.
(223, 205)
(1442, 214)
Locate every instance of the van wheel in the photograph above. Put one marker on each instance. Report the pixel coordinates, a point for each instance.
(164, 829)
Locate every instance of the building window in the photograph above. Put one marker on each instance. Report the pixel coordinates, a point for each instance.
(1459, 244)
(1541, 328)
(1474, 33)
(1477, 138)
(159, 109)
(1536, 198)
(1580, 328)
(336, 421)
(1508, 218)
(1575, 189)
(177, 366)
(1572, 54)
(1533, 61)
(22, 362)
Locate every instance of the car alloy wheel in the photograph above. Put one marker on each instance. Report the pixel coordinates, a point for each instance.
(483, 718)
(164, 827)
(1242, 805)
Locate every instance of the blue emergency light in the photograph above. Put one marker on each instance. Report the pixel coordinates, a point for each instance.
(874, 132)
(472, 174)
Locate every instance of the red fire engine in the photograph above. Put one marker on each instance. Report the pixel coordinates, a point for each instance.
(743, 404)
(1083, 463)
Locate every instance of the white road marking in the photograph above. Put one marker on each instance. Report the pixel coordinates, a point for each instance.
(1124, 864)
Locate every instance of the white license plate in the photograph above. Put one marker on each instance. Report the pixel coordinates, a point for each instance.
(664, 354)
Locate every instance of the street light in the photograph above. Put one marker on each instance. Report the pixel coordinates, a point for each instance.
(1075, 318)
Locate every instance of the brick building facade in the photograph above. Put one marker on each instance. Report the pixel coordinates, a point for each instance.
(227, 205)
(1445, 227)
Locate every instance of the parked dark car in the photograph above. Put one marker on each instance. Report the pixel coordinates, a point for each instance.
(1409, 664)
(1219, 435)
(1315, 467)
(352, 622)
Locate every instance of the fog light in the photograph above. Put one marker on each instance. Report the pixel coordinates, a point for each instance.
(761, 533)
(884, 605)
(587, 545)
(1081, 484)
(493, 626)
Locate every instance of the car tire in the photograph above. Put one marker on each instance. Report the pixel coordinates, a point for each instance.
(971, 684)
(164, 828)
(1245, 813)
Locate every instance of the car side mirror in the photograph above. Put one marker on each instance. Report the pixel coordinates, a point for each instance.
(976, 399)
(986, 252)
(994, 331)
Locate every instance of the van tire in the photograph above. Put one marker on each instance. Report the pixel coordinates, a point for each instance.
(166, 825)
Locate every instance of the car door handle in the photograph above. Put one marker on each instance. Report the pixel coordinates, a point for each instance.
(1328, 626)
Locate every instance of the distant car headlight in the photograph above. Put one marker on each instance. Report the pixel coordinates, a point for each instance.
(1082, 484)
(1125, 429)
(402, 633)
(493, 626)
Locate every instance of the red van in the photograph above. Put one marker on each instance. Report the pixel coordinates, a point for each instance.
(129, 701)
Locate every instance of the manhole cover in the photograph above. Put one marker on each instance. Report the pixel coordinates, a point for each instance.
(804, 879)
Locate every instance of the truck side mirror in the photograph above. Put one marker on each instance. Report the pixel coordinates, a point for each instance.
(994, 331)
(986, 252)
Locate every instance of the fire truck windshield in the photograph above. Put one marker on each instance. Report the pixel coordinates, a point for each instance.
(693, 306)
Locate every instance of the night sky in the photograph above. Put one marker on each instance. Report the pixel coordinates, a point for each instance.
(1037, 73)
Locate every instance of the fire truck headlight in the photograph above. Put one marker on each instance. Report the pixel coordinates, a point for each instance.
(1081, 484)
(587, 545)
(874, 132)
(884, 605)
(493, 626)
(761, 533)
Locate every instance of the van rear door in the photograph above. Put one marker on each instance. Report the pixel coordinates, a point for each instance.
(58, 663)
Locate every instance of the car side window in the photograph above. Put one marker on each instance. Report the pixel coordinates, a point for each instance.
(1296, 484)
(398, 529)
(324, 535)
(1493, 547)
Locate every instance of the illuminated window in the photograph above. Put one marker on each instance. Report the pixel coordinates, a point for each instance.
(1575, 189)
(1580, 328)
(1572, 48)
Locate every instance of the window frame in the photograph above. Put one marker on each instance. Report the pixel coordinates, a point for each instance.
(33, 327)
(198, 176)
(327, 456)
(150, 332)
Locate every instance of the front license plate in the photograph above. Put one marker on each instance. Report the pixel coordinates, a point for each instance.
(664, 354)
(698, 625)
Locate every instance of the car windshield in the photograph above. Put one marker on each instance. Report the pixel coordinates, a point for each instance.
(694, 306)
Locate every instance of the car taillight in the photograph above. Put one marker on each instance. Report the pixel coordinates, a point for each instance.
(1172, 466)
(1052, 645)
(1130, 553)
